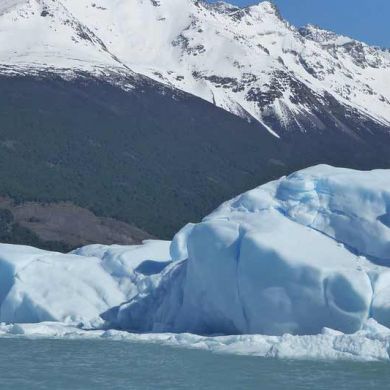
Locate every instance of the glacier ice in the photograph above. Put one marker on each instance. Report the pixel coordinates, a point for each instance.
(305, 252)
(299, 267)
(37, 285)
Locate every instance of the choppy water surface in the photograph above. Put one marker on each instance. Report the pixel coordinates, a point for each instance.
(96, 364)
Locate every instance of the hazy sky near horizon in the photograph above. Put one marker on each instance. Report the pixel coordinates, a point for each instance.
(366, 20)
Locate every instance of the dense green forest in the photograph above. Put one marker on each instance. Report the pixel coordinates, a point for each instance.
(143, 158)
(152, 157)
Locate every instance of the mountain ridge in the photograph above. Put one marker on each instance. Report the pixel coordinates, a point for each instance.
(249, 61)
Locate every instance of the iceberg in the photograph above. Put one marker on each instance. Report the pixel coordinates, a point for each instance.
(294, 256)
(37, 285)
(296, 268)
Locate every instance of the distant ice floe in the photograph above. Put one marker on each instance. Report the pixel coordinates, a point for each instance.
(371, 343)
(296, 268)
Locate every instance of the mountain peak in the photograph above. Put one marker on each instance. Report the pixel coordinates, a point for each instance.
(265, 7)
(249, 60)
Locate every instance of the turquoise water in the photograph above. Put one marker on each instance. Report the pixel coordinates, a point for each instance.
(86, 364)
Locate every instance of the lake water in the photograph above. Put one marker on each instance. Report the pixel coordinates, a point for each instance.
(96, 364)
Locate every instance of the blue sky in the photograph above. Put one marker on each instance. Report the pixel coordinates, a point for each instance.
(366, 20)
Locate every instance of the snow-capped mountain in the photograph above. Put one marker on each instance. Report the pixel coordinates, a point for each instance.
(249, 61)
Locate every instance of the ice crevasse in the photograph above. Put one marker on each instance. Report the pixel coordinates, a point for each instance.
(308, 251)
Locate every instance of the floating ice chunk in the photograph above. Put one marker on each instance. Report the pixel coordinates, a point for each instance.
(305, 252)
(297, 255)
(37, 285)
(43, 286)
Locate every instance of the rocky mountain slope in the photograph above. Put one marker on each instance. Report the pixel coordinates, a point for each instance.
(249, 61)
